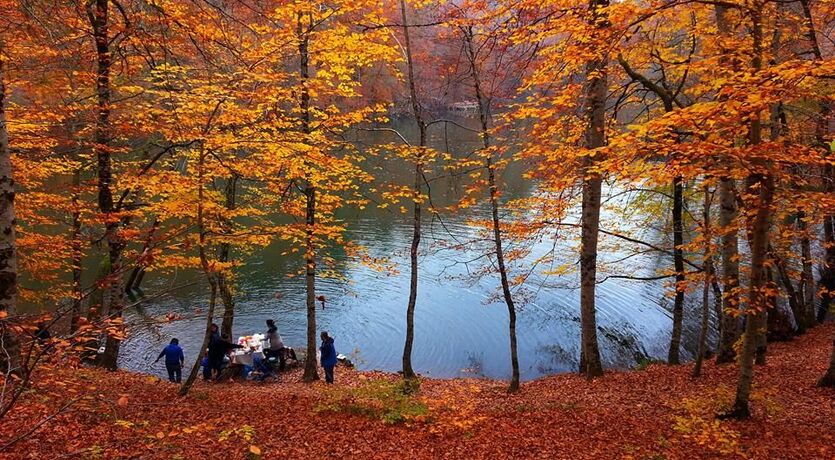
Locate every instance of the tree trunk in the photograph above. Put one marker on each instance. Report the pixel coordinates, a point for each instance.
(207, 335)
(98, 15)
(10, 361)
(827, 272)
(730, 271)
(668, 97)
(210, 276)
(781, 323)
(223, 255)
(138, 272)
(417, 111)
(596, 88)
(708, 267)
(228, 303)
(808, 285)
(756, 316)
(311, 371)
(76, 251)
(729, 328)
(827, 278)
(678, 261)
(484, 117)
(760, 185)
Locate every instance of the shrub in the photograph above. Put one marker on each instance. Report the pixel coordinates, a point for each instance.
(390, 402)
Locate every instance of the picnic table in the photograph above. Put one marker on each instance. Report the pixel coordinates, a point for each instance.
(253, 347)
(245, 357)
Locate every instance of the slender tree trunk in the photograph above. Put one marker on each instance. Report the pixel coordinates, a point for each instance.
(210, 276)
(224, 288)
(484, 117)
(417, 111)
(10, 360)
(311, 370)
(669, 99)
(138, 272)
(808, 285)
(761, 350)
(730, 242)
(708, 267)
(98, 15)
(821, 130)
(76, 251)
(678, 261)
(780, 323)
(756, 315)
(761, 186)
(730, 271)
(595, 137)
(827, 279)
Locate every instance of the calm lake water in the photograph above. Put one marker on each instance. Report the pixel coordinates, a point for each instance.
(460, 322)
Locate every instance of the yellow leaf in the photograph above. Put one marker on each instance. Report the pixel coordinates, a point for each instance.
(254, 450)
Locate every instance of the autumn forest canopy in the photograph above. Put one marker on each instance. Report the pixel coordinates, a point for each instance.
(143, 138)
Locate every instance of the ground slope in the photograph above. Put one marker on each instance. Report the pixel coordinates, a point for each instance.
(656, 413)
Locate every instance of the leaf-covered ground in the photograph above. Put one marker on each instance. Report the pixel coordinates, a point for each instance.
(656, 413)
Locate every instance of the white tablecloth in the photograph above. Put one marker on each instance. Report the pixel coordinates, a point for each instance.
(244, 358)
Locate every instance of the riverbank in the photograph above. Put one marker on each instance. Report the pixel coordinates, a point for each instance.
(656, 413)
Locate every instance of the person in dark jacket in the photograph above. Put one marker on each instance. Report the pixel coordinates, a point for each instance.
(174, 360)
(328, 358)
(218, 347)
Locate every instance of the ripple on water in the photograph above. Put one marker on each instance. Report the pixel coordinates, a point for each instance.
(457, 331)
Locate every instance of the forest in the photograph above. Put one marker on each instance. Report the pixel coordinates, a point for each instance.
(497, 151)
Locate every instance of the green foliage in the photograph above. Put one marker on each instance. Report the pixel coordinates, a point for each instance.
(390, 402)
(646, 362)
(411, 386)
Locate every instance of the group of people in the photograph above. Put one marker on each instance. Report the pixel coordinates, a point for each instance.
(220, 346)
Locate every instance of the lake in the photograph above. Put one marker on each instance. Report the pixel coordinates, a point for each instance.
(460, 321)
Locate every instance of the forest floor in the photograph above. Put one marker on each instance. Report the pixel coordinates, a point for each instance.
(659, 412)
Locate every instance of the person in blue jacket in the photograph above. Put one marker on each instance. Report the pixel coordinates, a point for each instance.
(328, 358)
(174, 360)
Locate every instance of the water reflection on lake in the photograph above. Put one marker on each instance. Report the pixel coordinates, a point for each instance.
(460, 325)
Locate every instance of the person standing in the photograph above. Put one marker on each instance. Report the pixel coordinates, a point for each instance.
(215, 334)
(174, 360)
(328, 358)
(218, 348)
(276, 345)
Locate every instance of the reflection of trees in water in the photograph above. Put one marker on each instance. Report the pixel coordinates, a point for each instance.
(558, 359)
(621, 346)
(625, 349)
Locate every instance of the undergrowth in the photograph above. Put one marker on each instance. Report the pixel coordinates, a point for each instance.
(390, 402)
